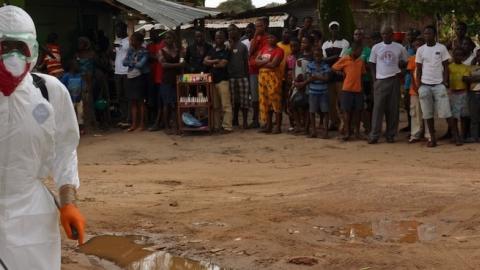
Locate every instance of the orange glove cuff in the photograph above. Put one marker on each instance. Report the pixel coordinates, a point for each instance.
(72, 220)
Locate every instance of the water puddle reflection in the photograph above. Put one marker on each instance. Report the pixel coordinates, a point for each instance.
(131, 253)
(405, 231)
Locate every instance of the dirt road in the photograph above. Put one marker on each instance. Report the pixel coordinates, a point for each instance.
(252, 201)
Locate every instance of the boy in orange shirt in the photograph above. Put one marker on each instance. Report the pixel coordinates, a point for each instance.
(351, 99)
(417, 130)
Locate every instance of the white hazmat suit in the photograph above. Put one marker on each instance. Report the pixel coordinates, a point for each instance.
(38, 138)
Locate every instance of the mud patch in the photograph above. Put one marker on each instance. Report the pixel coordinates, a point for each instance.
(405, 231)
(133, 253)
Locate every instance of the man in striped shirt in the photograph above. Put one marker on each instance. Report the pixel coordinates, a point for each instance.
(53, 60)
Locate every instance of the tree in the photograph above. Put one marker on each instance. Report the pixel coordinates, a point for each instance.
(337, 10)
(236, 6)
(420, 8)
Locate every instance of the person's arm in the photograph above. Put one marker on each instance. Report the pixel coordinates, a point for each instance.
(166, 65)
(221, 63)
(373, 70)
(419, 74)
(127, 62)
(208, 61)
(445, 73)
(143, 61)
(275, 62)
(260, 62)
(65, 164)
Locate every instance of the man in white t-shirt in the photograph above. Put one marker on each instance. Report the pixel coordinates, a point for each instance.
(332, 49)
(121, 46)
(386, 59)
(432, 71)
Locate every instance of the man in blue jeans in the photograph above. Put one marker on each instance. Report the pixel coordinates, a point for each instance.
(432, 71)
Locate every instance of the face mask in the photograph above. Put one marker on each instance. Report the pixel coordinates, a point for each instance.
(13, 69)
(15, 64)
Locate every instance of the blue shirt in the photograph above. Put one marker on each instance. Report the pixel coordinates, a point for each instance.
(75, 85)
(318, 87)
(137, 59)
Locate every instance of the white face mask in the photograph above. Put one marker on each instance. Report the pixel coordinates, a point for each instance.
(15, 64)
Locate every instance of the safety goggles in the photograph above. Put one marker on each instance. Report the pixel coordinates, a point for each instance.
(24, 46)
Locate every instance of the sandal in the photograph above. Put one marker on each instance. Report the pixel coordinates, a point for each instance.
(431, 144)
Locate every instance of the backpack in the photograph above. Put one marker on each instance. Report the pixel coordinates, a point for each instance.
(39, 83)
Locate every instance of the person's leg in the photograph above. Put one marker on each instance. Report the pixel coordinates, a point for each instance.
(474, 107)
(427, 106)
(275, 97)
(225, 100)
(379, 97)
(313, 128)
(347, 125)
(393, 109)
(269, 123)
(143, 110)
(416, 120)
(217, 108)
(333, 114)
(254, 92)
(444, 110)
(234, 85)
(244, 102)
(134, 111)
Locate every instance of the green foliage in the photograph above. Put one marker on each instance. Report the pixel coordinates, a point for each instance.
(419, 8)
(337, 10)
(236, 6)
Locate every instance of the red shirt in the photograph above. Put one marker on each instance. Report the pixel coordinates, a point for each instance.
(270, 54)
(156, 69)
(257, 44)
(54, 65)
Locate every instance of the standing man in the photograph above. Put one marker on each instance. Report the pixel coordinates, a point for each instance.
(155, 103)
(238, 73)
(332, 50)
(285, 45)
(260, 40)
(307, 28)
(53, 57)
(37, 136)
(432, 72)
(386, 60)
(247, 37)
(217, 60)
(196, 53)
(121, 45)
(292, 26)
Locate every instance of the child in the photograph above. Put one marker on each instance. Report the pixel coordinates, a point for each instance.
(417, 130)
(291, 62)
(318, 74)
(458, 91)
(351, 97)
(299, 93)
(76, 86)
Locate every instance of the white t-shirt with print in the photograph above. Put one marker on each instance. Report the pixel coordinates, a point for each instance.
(387, 58)
(121, 52)
(432, 59)
(342, 44)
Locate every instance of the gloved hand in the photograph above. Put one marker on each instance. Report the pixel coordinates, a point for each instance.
(70, 217)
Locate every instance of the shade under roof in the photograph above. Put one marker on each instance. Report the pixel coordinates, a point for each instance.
(168, 13)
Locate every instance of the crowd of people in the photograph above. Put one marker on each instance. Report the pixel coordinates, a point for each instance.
(352, 87)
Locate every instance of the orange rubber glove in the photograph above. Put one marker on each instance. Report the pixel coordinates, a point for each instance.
(70, 217)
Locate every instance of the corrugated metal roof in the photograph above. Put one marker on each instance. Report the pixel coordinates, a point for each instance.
(275, 21)
(168, 13)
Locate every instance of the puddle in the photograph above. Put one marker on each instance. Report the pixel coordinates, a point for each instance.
(405, 231)
(131, 253)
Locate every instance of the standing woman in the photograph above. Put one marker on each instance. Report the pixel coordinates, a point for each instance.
(169, 58)
(85, 58)
(269, 84)
(137, 76)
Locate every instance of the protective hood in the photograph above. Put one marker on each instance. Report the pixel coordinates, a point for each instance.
(16, 24)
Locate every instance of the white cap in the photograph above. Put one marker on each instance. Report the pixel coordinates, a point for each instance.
(332, 23)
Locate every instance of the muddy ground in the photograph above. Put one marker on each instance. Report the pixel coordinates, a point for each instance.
(253, 201)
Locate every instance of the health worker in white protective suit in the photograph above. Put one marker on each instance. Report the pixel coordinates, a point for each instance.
(38, 138)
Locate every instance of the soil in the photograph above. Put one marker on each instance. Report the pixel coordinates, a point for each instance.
(253, 201)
